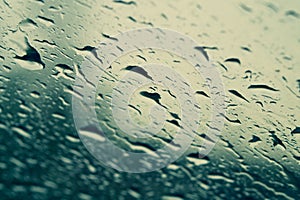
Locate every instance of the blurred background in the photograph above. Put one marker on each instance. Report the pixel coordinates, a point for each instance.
(253, 44)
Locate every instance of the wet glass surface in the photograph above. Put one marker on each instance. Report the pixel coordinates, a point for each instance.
(253, 44)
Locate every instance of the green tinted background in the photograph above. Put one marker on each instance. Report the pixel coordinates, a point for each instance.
(43, 44)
